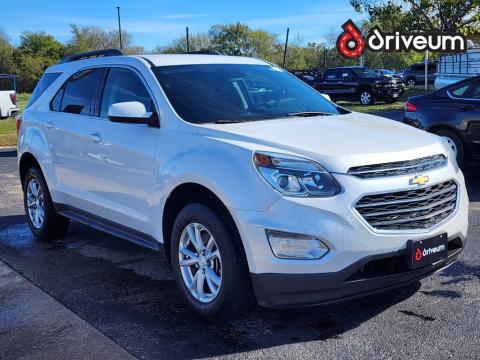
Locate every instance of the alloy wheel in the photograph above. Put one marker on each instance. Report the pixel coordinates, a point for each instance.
(365, 98)
(35, 203)
(452, 145)
(411, 82)
(200, 262)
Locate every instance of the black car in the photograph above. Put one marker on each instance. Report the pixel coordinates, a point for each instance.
(359, 83)
(310, 76)
(452, 112)
(415, 74)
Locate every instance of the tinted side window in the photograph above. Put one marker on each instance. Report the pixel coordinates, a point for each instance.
(476, 91)
(332, 75)
(46, 80)
(57, 99)
(80, 91)
(124, 85)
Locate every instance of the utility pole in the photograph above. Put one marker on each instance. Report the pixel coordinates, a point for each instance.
(188, 40)
(119, 28)
(285, 50)
(426, 70)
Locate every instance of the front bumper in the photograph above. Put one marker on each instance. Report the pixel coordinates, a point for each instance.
(367, 276)
(388, 93)
(350, 239)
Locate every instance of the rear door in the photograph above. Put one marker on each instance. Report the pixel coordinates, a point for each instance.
(470, 118)
(120, 162)
(69, 128)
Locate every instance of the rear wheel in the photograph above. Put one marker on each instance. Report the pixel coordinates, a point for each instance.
(210, 271)
(42, 219)
(411, 82)
(454, 142)
(366, 97)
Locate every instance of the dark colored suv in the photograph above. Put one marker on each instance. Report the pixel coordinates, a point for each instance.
(359, 83)
(415, 74)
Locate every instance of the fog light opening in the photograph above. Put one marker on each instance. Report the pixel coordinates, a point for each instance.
(296, 246)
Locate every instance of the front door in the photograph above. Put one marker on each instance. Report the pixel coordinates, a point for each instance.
(122, 158)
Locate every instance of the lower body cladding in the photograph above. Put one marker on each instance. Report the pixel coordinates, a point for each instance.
(360, 260)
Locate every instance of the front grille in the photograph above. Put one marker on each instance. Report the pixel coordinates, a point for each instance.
(410, 209)
(399, 168)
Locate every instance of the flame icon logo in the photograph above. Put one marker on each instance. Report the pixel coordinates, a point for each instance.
(418, 255)
(350, 43)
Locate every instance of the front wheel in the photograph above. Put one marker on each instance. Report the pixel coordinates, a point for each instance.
(366, 97)
(42, 219)
(209, 269)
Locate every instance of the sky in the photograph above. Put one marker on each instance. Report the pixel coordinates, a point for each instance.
(156, 23)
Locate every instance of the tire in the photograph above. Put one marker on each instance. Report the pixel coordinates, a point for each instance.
(51, 225)
(390, 100)
(411, 82)
(456, 143)
(234, 293)
(366, 97)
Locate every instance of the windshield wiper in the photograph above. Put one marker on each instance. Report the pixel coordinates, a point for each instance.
(309, 113)
(227, 121)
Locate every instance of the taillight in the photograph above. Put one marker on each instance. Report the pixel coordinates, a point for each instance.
(19, 123)
(409, 107)
(13, 97)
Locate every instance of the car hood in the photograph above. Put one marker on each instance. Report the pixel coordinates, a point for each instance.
(337, 142)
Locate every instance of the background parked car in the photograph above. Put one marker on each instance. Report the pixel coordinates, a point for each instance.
(310, 76)
(359, 83)
(8, 96)
(415, 74)
(386, 72)
(452, 112)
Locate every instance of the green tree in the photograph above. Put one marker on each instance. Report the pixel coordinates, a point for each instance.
(6, 54)
(200, 41)
(36, 52)
(239, 39)
(433, 15)
(89, 38)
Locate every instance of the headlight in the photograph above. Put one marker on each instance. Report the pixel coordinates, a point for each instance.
(294, 176)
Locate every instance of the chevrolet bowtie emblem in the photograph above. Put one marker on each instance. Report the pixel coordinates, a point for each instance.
(419, 180)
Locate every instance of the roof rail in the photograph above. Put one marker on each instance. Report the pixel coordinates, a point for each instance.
(204, 52)
(90, 54)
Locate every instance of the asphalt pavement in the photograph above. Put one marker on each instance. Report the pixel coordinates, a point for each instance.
(123, 296)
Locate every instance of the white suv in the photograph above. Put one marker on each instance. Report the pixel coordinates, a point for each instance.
(255, 185)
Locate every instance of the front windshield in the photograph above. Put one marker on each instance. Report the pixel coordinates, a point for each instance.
(387, 72)
(210, 93)
(364, 72)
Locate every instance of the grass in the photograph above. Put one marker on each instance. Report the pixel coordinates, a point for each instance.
(8, 128)
(381, 106)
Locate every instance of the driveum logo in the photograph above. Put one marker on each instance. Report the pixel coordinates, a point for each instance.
(419, 254)
(351, 44)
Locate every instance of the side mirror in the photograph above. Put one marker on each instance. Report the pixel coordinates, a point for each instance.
(132, 112)
(326, 96)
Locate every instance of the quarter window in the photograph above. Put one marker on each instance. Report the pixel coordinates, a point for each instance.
(124, 85)
(80, 92)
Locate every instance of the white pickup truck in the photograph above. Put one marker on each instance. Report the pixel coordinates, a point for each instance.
(8, 96)
(455, 67)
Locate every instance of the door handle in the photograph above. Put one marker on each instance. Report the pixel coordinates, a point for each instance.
(467, 108)
(96, 137)
(49, 125)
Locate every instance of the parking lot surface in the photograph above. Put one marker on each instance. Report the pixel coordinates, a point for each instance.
(127, 294)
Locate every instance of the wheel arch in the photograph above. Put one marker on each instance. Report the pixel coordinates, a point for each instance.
(443, 126)
(27, 160)
(191, 192)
